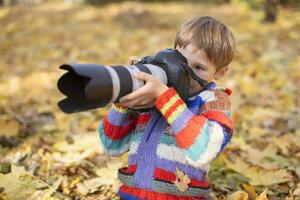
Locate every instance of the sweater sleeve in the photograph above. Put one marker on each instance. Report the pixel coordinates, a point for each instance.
(115, 130)
(201, 137)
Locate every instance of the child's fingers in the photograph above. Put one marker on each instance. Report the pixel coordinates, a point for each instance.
(139, 102)
(133, 59)
(133, 103)
(143, 76)
(130, 97)
(141, 93)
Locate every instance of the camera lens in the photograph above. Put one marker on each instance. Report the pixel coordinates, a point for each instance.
(90, 86)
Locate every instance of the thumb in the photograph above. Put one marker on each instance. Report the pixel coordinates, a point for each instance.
(142, 76)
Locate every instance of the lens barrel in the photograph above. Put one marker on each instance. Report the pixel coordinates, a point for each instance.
(90, 86)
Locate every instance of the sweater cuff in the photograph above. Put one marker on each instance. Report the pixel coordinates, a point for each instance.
(170, 105)
(119, 108)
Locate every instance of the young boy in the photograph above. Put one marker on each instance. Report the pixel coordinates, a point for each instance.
(171, 146)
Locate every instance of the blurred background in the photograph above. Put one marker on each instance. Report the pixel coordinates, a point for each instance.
(46, 154)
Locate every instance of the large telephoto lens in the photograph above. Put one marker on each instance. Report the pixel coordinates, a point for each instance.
(89, 86)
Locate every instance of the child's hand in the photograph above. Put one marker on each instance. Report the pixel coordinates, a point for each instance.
(133, 60)
(145, 95)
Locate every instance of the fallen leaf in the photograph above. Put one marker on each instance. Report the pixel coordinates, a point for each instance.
(251, 191)
(82, 189)
(182, 180)
(240, 195)
(15, 182)
(263, 195)
(259, 175)
(296, 192)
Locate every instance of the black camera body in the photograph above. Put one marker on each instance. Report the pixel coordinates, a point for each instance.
(90, 86)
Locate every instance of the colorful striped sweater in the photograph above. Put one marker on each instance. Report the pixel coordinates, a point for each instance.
(171, 146)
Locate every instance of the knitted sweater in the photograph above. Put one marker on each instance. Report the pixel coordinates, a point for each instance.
(171, 146)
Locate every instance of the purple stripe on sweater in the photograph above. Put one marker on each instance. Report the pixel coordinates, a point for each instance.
(181, 121)
(168, 165)
(147, 154)
(117, 118)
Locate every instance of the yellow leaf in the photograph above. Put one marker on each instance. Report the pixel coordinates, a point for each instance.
(8, 127)
(74, 182)
(263, 195)
(18, 179)
(106, 173)
(240, 195)
(289, 198)
(251, 190)
(257, 156)
(4, 12)
(259, 175)
(82, 189)
(297, 192)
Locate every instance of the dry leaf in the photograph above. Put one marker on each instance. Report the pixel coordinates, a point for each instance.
(259, 175)
(8, 127)
(82, 189)
(263, 195)
(240, 195)
(16, 181)
(251, 191)
(289, 198)
(296, 192)
(182, 180)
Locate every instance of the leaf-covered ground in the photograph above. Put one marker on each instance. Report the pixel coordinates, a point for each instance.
(45, 154)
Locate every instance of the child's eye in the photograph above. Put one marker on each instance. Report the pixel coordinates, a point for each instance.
(199, 67)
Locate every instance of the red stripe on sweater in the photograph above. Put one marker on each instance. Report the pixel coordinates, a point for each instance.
(188, 134)
(219, 117)
(142, 119)
(115, 132)
(164, 98)
(163, 175)
(173, 108)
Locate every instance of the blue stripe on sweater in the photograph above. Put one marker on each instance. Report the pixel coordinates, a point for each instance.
(110, 144)
(227, 138)
(198, 101)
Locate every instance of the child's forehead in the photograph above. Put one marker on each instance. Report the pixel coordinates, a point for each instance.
(195, 55)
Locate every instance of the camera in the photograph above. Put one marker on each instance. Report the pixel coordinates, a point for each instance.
(91, 86)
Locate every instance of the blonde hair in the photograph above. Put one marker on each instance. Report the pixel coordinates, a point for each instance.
(210, 35)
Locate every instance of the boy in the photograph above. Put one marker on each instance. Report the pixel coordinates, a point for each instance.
(171, 146)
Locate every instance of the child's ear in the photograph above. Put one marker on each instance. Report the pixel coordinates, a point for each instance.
(220, 72)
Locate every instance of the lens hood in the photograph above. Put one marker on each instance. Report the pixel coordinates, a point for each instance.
(85, 86)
